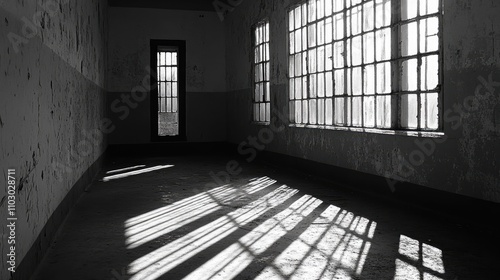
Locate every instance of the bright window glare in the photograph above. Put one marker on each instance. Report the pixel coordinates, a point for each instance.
(137, 172)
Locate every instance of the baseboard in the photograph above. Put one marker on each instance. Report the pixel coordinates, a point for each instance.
(468, 211)
(41, 245)
(168, 149)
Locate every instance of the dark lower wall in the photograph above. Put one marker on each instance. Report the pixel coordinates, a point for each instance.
(464, 160)
(205, 118)
(52, 73)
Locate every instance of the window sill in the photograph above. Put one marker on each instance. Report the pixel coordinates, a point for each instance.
(261, 123)
(428, 134)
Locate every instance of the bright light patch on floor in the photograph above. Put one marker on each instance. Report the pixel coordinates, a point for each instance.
(334, 246)
(137, 172)
(125, 169)
(230, 262)
(418, 260)
(160, 261)
(149, 226)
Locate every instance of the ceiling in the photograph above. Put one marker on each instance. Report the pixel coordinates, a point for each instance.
(193, 5)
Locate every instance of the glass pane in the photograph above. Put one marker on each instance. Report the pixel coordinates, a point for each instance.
(369, 80)
(430, 111)
(338, 57)
(408, 9)
(430, 72)
(312, 61)
(329, 112)
(409, 43)
(384, 77)
(321, 85)
(356, 50)
(321, 111)
(305, 111)
(356, 20)
(368, 16)
(384, 111)
(383, 10)
(369, 111)
(429, 7)
(369, 47)
(338, 27)
(357, 81)
(338, 5)
(312, 10)
(339, 111)
(409, 111)
(409, 73)
(298, 111)
(311, 31)
(169, 89)
(383, 43)
(328, 57)
(328, 29)
(429, 40)
(169, 58)
(320, 6)
(321, 32)
(312, 86)
(357, 110)
(174, 89)
(321, 59)
(312, 112)
(328, 84)
(339, 82)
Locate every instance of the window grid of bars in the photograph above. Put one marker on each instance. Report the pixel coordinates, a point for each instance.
(168, 84)
(343, 61)
(261, 69)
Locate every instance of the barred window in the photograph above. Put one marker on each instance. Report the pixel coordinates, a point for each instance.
(261, 69)
(365, 63)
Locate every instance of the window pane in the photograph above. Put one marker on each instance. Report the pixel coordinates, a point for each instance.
(408, 9)
(321, 85)
(409, 43)
(429, 111)
(384, 111)
(429, 72)
(357, 110)
(339, 111)
(409, 111)
(384, 77)
(409, 75)
(369, 80)
(429, 40)
(339, 82)
(368, 16)
(329, 112)
(383, 43)
(369, 47)
(383, 10)
(369, 111)
(329, 84)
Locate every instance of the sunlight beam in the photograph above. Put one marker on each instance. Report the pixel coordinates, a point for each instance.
(137, 172)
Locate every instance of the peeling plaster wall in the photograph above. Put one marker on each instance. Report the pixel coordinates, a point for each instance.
(466, 160)
(51, 103)
(130, 33)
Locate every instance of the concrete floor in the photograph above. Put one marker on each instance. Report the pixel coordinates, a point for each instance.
(172, 221)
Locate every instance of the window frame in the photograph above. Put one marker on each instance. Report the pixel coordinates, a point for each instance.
(396, 77)
(255, 45)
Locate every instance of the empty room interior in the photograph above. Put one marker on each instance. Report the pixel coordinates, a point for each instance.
(249, 139)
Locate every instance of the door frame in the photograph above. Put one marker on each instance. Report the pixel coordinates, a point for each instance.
(181, 55)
